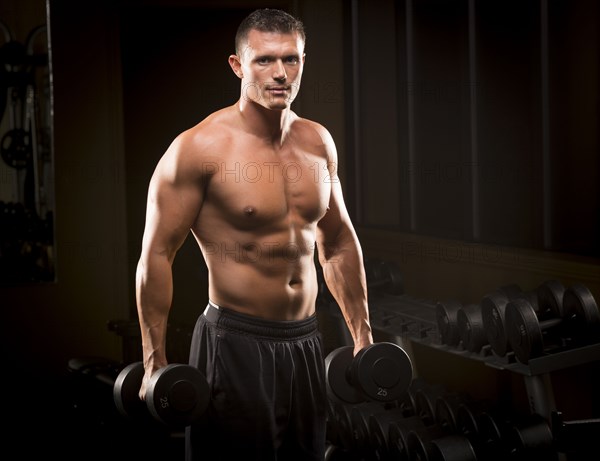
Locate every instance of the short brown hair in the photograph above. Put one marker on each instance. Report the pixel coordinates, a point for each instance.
(268, 20)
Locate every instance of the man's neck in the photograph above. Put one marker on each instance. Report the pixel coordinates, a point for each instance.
(269, 124)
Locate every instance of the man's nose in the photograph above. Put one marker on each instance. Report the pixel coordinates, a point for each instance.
(279, 71)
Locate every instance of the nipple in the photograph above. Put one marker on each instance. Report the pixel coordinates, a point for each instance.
(248, 211)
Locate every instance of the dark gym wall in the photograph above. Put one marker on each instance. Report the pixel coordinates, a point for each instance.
(476, 142)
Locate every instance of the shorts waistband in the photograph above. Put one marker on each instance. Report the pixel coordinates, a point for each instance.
(255, 326)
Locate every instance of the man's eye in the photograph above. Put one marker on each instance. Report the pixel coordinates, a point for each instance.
(263, 61)
(292, 60)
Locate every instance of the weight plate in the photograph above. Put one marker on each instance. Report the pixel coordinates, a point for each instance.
(493, 307)
(445, 316)
(550, 298)
(397, 436)
(337, 372)
(126, 391)
(382, 371)
(177, 395)
(466, 421)
(425, 406)
(445, 412)
(416, 446)
(470, 328)
(523, 330)
(453, 448)
(579, 301)
(533, 433)
(16, 149)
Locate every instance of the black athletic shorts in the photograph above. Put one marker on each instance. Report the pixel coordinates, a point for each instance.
(267, 384)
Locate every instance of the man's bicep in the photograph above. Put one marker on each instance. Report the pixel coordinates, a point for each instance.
(172, 207)
(335, 225)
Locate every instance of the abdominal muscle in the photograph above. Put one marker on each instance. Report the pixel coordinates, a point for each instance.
(267, 280)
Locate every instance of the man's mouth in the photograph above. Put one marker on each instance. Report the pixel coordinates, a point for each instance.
(278, 89)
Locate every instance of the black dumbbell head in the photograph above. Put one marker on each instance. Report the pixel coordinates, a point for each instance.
(453, 447)
(177, 395)
(579, 302)
(445, 316)
(523, 330)
(337, 373)
(382, 371)
(470, 327)
(493, 310)
(126, 391)
(550, 296)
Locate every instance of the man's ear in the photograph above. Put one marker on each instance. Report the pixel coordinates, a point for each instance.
(236, 65)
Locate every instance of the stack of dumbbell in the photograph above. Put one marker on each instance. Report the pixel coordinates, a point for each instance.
(429, 423)
(514, 324)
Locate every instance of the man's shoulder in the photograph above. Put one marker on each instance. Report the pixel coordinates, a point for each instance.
(212, 131)
(312, 131)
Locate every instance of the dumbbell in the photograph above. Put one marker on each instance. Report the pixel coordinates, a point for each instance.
(545, 299)
(398, 430)
(336, 453)
(359, 419)
(428, 446)
(417, 402)
(425, 399)
(446, 410)
(470, 327)
(529, 336)
(384, 276)
(531, 438)
(445, 316)
(379, 372)
(177, 394)
(504, 436)
(379, 425)
(345, 437)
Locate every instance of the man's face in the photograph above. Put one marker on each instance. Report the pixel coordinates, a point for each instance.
(270, 65)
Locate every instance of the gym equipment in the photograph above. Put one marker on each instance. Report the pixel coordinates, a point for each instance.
(529, 336)
(378, 431)
(425, 399)
(470, 327)
(574, 437)
(445, 316)
(335, 453)
(397, 436)
(438, 447)
(420, 445)
(384, 276)
(380, 372)
(343, 425)
(359, 419)
(446, 408)
(177, 394)
(547, 298)
(531, 438)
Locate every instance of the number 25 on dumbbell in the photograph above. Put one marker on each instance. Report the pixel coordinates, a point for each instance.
(379, 372)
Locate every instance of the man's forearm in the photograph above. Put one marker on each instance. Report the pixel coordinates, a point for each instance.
(344, 274)
(154, 291)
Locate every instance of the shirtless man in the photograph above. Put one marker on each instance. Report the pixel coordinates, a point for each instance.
(257, 186)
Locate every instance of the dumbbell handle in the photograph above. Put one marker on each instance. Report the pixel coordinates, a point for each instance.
(550, 323)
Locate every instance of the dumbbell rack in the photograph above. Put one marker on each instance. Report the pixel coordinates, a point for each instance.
(413, 319)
